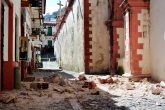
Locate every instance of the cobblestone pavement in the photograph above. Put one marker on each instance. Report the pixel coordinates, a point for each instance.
(110, 96)
(146, 102)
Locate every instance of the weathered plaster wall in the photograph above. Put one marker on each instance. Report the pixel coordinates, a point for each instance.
(126, 58)
(121, 44)
(28, 25)
(70, 42)
(137, 38)
(100, 36)
(5, 48)
(17, 12)
(45, 40)
(145, 64)
(120, 32)
(157, 39)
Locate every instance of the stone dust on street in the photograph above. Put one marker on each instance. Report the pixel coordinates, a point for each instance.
(64, 91)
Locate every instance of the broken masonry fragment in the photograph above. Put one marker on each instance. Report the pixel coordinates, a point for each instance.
(82, 77)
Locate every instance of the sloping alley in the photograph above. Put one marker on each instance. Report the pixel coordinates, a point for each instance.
(82, 55)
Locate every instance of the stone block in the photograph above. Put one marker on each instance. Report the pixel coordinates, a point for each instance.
(37, 85)
(82, 77)
(33, 86)
(45, 85)
(29, 79)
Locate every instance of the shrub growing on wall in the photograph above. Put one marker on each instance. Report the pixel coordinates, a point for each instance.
(120, 70)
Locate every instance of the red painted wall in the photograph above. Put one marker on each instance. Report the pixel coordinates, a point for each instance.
(117, 22)
(87, 39)
(8, 66)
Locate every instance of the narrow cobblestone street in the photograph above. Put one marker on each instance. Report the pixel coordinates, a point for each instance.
(67, 91)
(82, 55)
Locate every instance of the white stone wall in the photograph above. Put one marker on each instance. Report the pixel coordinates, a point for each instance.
(100, 36)
(145, 63)
(16, 12)
(69, 46)
(126, 59)
(157, 41)
(121, 39)
(45, 40)
(5, 48)
(28, 25)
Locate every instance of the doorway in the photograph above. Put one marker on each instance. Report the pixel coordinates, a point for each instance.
(16, 38)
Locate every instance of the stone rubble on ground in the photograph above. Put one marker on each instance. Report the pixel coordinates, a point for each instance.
(162, 84)
(130, 86)
(82, 77)
(8, 99)
(87, 92)
(106, 79)
(29, 79)
(156, 90)
(39, 85)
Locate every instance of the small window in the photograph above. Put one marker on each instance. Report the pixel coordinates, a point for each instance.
(49, 31)
(50, 43)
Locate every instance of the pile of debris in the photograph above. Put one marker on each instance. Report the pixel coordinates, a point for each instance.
(43, 90)
(7, 99)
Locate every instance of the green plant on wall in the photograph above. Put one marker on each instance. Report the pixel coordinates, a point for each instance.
(120, 70)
